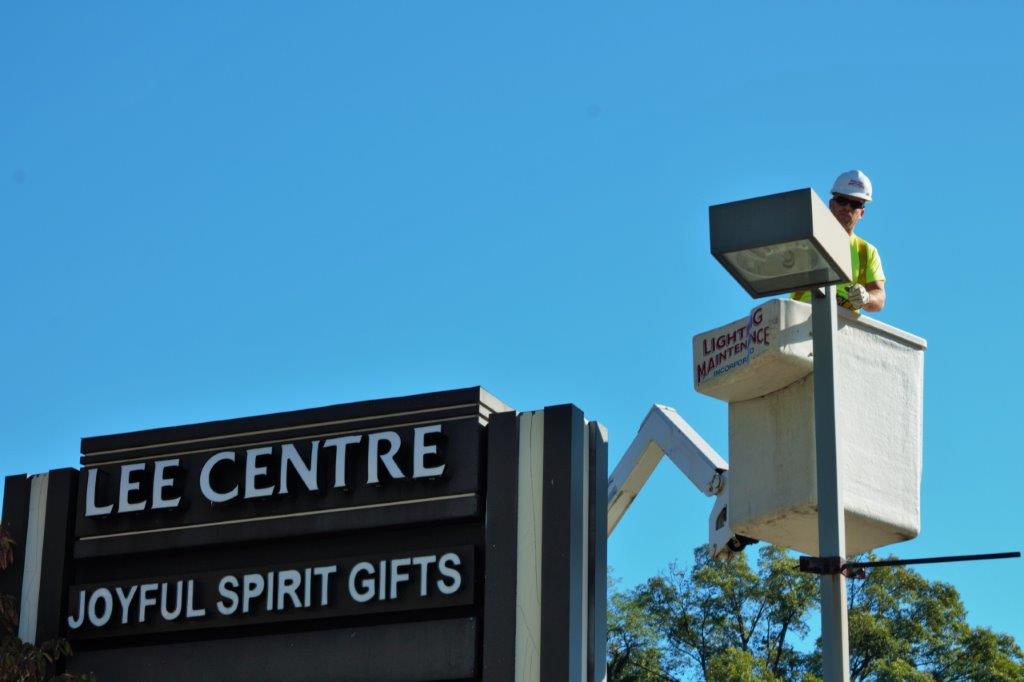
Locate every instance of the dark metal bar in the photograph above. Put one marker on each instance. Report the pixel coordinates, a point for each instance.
(830, 565)
(833, 565)
(932, 560)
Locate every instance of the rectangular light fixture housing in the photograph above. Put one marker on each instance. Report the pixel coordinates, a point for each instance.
(780, 243)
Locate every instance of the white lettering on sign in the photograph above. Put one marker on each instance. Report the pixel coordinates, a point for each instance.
(252, 587)
(253, 471)
(339, 445)
(91, 508)
(227, 589)
(166, 612)
(99, 618)
(136, 603)
(288, 586)
(229, 475)
(147, 598)
(453, 579)
(374, 455)
(420, 450)
(257, 593)
(129, 486)
(275, 590)
(307, 472)
(384, 581)
(204, 479)
(125, 600)
(160, 481)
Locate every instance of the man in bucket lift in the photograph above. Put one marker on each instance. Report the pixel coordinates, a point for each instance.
(850, 193)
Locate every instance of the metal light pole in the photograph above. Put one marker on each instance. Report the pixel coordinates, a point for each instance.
(835, 641)
(789, 242)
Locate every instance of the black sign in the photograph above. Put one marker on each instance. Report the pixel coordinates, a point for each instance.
(440, 536)
(256, 477)
(351, 586)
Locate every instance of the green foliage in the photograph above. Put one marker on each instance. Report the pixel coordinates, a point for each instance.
(728, 620)
(719, 615)
(633, 648)
(734, 665)
(21, 662)
(25, 662)
(903, 627)
(986, 656)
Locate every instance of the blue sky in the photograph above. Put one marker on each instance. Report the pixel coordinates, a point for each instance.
(218, 211)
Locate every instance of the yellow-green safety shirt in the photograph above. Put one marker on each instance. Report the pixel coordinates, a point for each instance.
(867, 268)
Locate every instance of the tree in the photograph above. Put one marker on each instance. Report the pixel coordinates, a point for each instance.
(727, 620)
(19, 661)
(633, 648)
(899, 621)
(721, 616)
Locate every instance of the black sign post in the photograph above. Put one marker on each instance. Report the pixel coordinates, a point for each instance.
(441, 536)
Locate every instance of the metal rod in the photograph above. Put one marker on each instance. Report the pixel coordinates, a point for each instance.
(835, 641)
(932, 560)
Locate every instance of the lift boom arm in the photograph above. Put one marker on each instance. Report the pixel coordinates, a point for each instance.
(663, 432)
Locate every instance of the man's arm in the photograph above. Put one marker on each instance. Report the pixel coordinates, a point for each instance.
(876, 296)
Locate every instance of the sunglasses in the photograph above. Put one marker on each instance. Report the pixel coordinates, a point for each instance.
(852, 203)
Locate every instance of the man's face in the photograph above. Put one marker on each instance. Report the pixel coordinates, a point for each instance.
(847, 210)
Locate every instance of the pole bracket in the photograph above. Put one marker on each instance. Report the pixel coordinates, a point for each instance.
(831, 565)
(821, 565)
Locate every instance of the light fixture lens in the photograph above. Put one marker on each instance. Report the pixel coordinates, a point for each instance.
(782, 267)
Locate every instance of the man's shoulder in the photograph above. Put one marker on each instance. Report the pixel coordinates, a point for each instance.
(860, 242)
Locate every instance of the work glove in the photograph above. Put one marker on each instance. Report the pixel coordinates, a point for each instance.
(857, 295)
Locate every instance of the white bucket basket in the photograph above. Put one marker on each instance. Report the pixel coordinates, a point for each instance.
(762, 366)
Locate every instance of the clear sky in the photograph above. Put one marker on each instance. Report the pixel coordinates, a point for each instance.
(220, 211)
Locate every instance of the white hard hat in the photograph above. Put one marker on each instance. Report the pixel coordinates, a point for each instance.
(853, 184)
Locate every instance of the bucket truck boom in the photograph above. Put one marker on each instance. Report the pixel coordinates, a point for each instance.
(664, 432)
